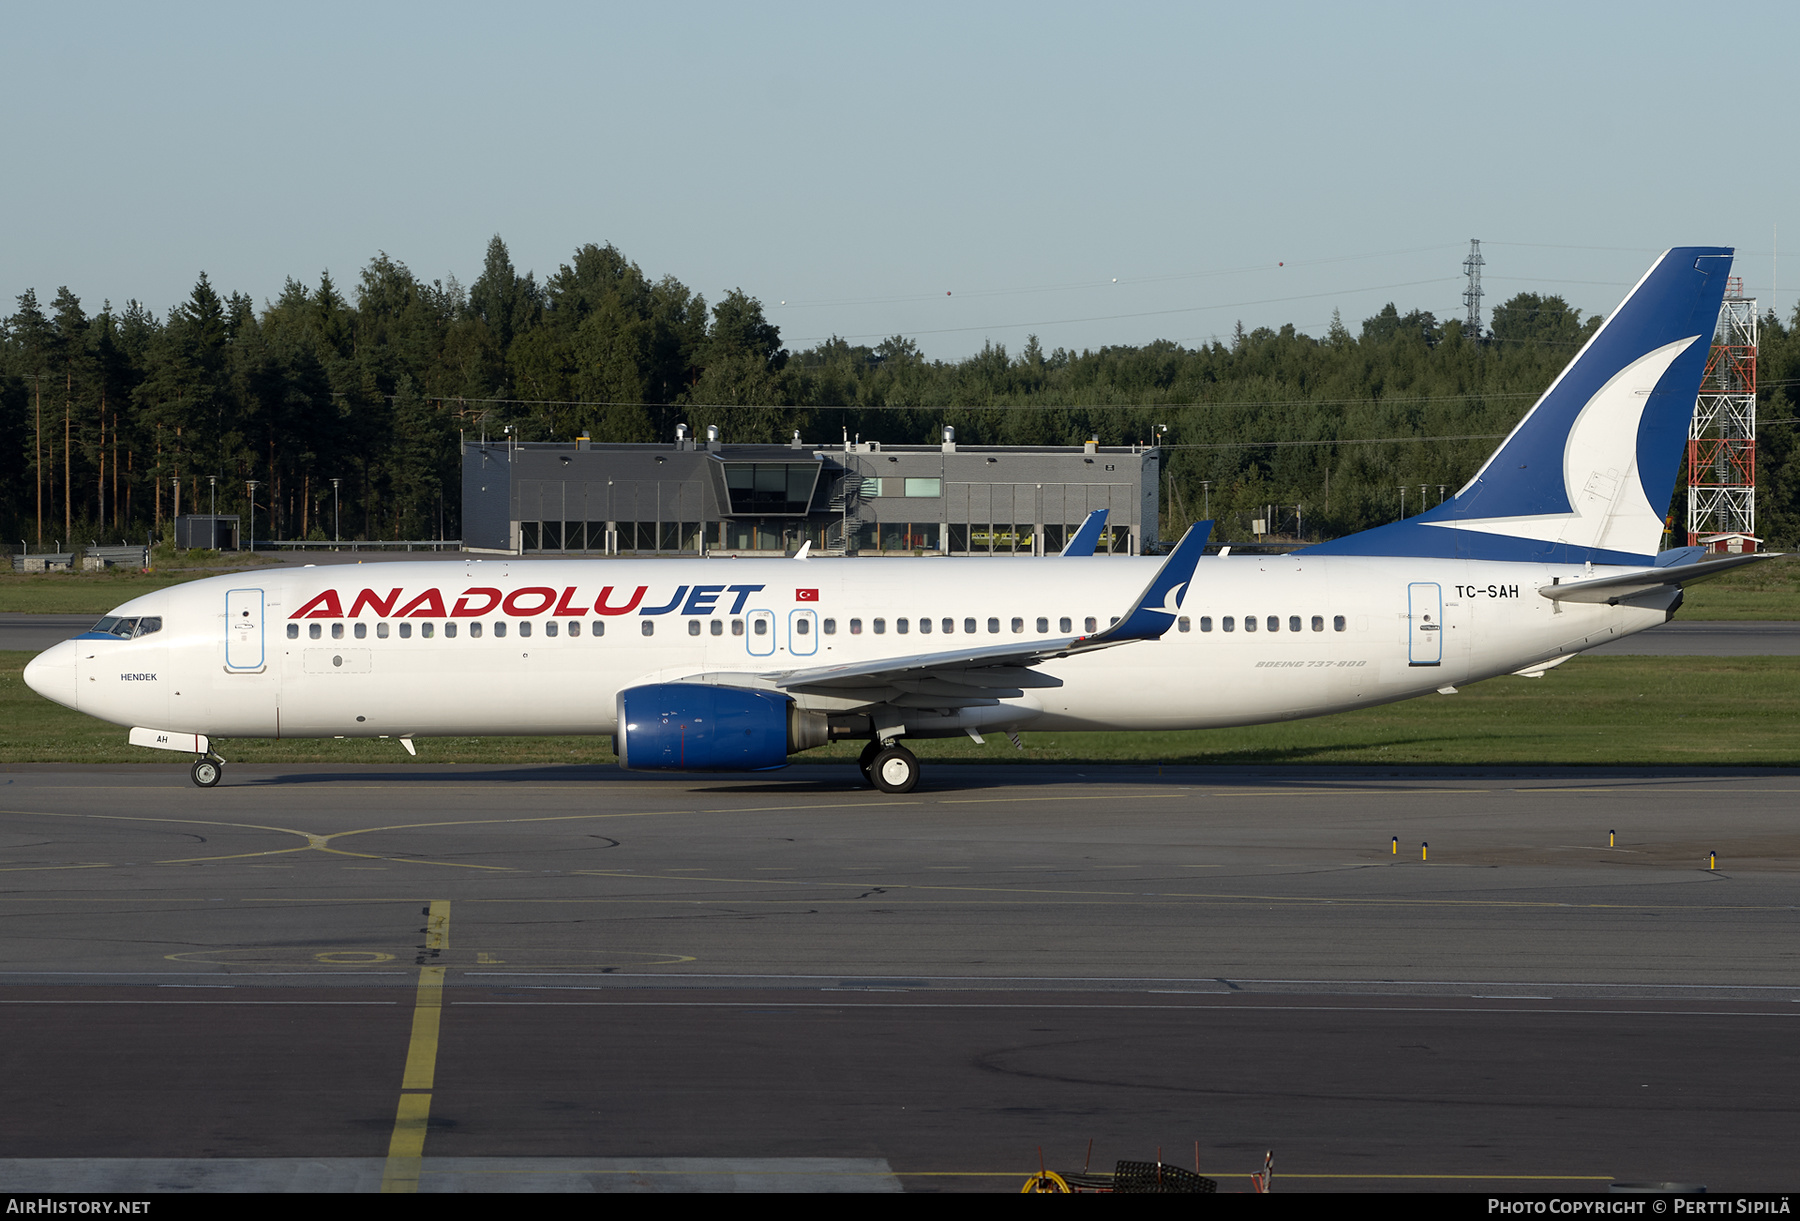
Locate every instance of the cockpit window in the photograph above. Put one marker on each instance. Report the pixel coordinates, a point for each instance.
(113, 625)
(148, 624)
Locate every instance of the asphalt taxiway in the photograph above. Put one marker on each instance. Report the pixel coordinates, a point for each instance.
(442, 978)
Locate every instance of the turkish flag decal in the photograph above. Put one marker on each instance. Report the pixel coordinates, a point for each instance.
(806, 595)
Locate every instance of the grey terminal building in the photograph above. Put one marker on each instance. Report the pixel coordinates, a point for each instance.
(700, 497)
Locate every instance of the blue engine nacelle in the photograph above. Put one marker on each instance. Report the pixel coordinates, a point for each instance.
(696, 727)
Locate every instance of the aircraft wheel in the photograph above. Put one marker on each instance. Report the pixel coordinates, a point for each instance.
(867, 760)
(207, 773)
(895, 770)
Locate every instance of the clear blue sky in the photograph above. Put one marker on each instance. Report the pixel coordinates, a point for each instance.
(861, 161)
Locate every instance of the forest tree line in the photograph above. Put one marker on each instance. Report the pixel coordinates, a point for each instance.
(119, 416)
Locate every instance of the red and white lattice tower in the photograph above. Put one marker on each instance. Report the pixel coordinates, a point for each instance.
(1722, 439)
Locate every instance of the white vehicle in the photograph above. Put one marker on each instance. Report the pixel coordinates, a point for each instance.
(730, 665)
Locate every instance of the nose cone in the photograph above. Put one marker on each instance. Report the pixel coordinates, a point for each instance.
(52, 674)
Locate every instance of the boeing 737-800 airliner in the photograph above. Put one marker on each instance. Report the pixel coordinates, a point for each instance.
(715, 665)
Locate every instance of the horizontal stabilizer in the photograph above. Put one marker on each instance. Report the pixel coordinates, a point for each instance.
(1614, 590)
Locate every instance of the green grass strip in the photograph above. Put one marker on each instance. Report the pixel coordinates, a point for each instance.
(1733, 711)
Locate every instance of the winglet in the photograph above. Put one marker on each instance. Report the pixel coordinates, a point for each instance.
(1085, 539)
(1154, 611)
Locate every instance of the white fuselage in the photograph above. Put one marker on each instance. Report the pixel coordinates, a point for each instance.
(1369, 631)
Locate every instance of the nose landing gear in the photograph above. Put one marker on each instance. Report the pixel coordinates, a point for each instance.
(208, 771)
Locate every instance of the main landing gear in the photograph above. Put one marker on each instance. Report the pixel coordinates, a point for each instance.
(208, 771)
(889, 767)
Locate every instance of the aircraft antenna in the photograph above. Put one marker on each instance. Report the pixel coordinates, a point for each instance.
(1721, 510)
(1472, 296)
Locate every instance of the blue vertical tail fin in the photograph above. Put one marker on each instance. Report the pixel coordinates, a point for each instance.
(1588, 473)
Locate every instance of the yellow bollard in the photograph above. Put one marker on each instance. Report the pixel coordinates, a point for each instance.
(1396, 845)
(1422, 848)
(1712, 860)
(1611, 841)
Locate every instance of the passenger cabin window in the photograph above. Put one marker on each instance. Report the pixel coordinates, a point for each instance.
(360, 631)
(925, 626)
(1293, 623)
(499, 629)
(737, 627)
(1337, 623)
(525, 628)
(597, 628)
(1065, 625)
(1274, 623)
(856, 627)
(293, 631)
(474, 631)
(1318, 623)
(1018, 625)
(831, 627)
(1183, 625)
(1206, 623)
(337, 631)
(718, 627)
(450, 631)
(1043, 626)
(1249, 623)
(313, 631)
(1228, 624)
(693, 627)
(900, 626)
(649, 627)
(1093, 624)
(426, 629)
(550, 627)
(574, 627)
(760, 627)
(880, 626)
(802, 627)
(405, 630)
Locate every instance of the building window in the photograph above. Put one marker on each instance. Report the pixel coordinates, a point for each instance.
(924, 487)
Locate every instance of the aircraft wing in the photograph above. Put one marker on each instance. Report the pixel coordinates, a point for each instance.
(1085, 539)
(989, 673)
(1616, 589)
